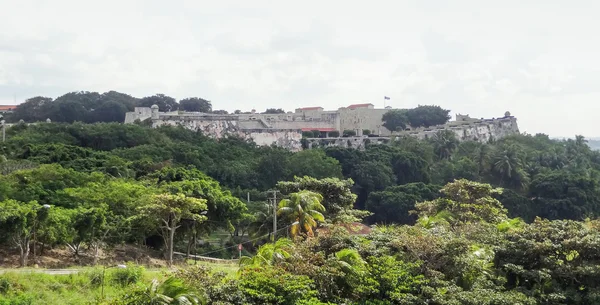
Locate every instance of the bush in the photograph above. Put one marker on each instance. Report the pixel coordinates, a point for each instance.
(334, 134)
(276, 286)
(349, 133)
(127, 276)
(95, 277)
(366, 132)
(308, 134)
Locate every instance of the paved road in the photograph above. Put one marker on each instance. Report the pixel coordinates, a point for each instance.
(46, 271)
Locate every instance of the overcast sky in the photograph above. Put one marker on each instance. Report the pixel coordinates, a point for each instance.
(537, 59)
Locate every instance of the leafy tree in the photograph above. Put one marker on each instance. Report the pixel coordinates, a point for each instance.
(195, 104)
(427, 116)
(19, 220)
(465, 201)
(393, 204)
(321, 167)
(371, 176)
(166, 211)
(220, 112)
(165, 103)
(409, 167)
(274, 111)
(349, 133)
(444, 144)
(337, 194)
(564, 195)
(32, 110)
(395, 120)
(303, 210)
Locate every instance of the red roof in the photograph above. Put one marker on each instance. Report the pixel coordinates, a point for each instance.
(7, 107)
(310, 108)
(359, 105)
(319, 129)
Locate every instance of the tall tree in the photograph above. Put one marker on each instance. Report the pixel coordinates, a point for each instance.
(427, 116)
(165, 103)
(444, 144)
(195, 104)
(166, 211)
(395, 120)
(32, 110)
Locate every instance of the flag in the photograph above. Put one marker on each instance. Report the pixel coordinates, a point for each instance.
(386, 98)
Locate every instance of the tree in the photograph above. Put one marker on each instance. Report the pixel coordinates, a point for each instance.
(508, 166)
(32, 110)
(166, 212)
(444, 144)
(274, 111)
(409, 167)
(195, 104)
(393, 204)
(371, 176)
(18, 220)
(425, 116)
(269, 254)
(220, 112)
(337, 194)
(395, 120)
(165, 103)
(303, 209)
(465, 201)
(321, 166)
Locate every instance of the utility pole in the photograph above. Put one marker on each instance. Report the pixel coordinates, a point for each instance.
(274, 213)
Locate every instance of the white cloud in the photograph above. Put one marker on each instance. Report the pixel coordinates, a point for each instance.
(537, 59)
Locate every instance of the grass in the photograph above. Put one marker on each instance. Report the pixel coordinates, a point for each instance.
(30, 286)
(229, 269)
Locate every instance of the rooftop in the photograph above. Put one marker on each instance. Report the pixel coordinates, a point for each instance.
(310, 108)
(353, 106)
(7, 107)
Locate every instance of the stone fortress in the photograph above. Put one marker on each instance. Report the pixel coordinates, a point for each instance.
(285, 129)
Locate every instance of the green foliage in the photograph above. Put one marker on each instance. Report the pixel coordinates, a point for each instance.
(349, 133)
(395, 120)
(334, 134)
(393, 204)
(303, 210)
(427, 116)
(195, 104)
(124, 276)
(275, 286)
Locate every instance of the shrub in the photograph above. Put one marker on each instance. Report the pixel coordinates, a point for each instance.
(308, 134)
(275, 286)
(349, 133)
(334, 134)
(366, 132)
(127, 276)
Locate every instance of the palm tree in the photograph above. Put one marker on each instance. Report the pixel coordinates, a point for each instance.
(170, 292)
(508, 164)
(349, 260)
(303, 209)
(269, 254)
(444, 143)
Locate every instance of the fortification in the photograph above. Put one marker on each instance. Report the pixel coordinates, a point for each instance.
(285, 129)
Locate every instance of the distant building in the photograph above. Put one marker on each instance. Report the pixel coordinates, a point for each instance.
(7, 108)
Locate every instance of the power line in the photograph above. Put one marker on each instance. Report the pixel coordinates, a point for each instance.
(251, 240)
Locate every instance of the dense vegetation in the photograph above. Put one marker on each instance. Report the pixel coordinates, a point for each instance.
(506, 222)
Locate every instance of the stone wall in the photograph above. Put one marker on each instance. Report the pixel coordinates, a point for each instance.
(472, 130)
(220, 126)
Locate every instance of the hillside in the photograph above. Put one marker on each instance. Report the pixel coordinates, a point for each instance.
(84, 190)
